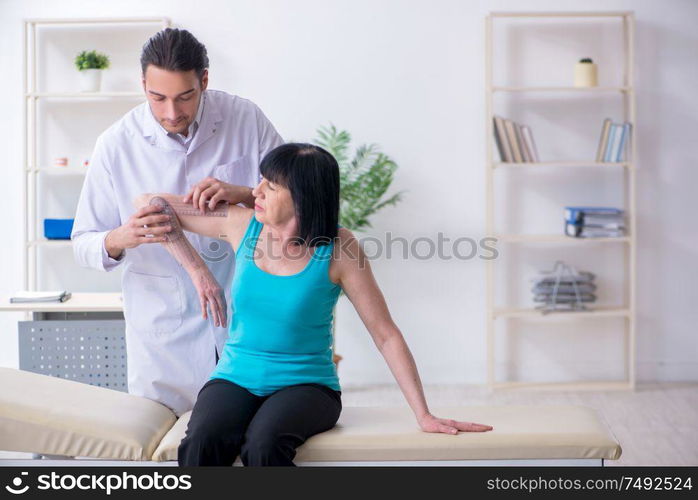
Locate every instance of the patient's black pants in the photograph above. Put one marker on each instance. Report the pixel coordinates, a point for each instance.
(228, 420)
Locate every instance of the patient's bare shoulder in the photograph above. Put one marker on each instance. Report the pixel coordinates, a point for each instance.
(238, 220)
(346, 254)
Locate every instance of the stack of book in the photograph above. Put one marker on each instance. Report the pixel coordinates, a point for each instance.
(563, 288)
(594, 222)
(26, 297)
(613, 142)
(514, 141)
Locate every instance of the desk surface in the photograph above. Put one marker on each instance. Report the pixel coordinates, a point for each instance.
(78, 302)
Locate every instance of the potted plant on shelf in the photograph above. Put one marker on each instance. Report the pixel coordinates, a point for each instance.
(585, 73)
(90, 64)
(363, 181)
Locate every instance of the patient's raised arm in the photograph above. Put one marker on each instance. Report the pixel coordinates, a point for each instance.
(227, 221)
(177, 244)
(212, 223)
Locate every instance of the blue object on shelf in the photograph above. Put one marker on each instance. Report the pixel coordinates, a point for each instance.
(58, 229)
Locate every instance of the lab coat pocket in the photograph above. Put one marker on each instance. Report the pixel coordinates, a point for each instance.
(152, 304)
(240, 172)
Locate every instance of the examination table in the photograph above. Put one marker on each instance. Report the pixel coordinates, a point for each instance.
(63, 422)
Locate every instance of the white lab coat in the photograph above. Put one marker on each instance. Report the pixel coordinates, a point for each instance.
(170, 347)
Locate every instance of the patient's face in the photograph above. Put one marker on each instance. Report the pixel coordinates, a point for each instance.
(273, 203)
(174, 96)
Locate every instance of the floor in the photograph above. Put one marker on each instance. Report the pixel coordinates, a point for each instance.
(657, 424)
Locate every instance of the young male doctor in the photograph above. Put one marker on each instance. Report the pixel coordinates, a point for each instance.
(205, 144)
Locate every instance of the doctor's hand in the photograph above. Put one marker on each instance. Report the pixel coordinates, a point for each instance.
(133, 232)
(211, 191)
(430, 423)
(211, 295)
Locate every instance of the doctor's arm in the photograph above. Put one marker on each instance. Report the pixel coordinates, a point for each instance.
(208, 192)
(96, 216)
(358, 282)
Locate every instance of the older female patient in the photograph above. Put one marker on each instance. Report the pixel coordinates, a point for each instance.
(276, 384)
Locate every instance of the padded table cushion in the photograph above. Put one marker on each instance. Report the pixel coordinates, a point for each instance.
(48, 415)
(379, 433)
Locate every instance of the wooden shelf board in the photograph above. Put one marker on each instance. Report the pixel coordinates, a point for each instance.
(609, 385)
(544, 88)
(620, 13)
(556, 238)
(101, 20)
(593, 312)
(58, 170)
(563, 164)
(47, 242)
(86, 95)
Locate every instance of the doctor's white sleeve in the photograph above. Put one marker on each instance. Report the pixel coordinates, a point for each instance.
(97, 214)
(269, 138)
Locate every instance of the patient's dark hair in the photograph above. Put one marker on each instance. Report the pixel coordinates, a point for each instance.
(312, 176)
(174, 49)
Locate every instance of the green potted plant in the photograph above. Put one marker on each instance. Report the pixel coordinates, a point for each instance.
(364, 180)
(90, 64)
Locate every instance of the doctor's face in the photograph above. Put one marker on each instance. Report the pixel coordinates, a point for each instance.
(273, 203)
(173, 96)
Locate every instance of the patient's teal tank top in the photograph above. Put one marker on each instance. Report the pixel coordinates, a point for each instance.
(281, 329)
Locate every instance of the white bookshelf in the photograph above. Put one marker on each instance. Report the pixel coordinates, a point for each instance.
(627, 169)
(32, 95)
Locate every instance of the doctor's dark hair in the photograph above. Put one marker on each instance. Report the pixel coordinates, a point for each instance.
(311, 174)
(174, 49)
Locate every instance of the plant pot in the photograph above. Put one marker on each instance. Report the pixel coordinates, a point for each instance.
(90, 80)
(585, 75)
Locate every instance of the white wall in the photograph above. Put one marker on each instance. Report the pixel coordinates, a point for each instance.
(409, 75)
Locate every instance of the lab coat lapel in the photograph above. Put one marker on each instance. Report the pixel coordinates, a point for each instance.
(210, 121)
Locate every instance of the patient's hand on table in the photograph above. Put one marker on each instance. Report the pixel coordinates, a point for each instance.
(210, 292)
(430, 423)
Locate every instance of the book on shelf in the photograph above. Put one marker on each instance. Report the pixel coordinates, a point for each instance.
(528, 141)
(522, 145)
(594, 222)
(578, 231)
(514, 141)
(621, 154)
(614, 140)
(500, 138)
(575, 212)
(604, 139)
(23, 297)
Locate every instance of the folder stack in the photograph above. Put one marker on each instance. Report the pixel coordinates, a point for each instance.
(594, 222)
